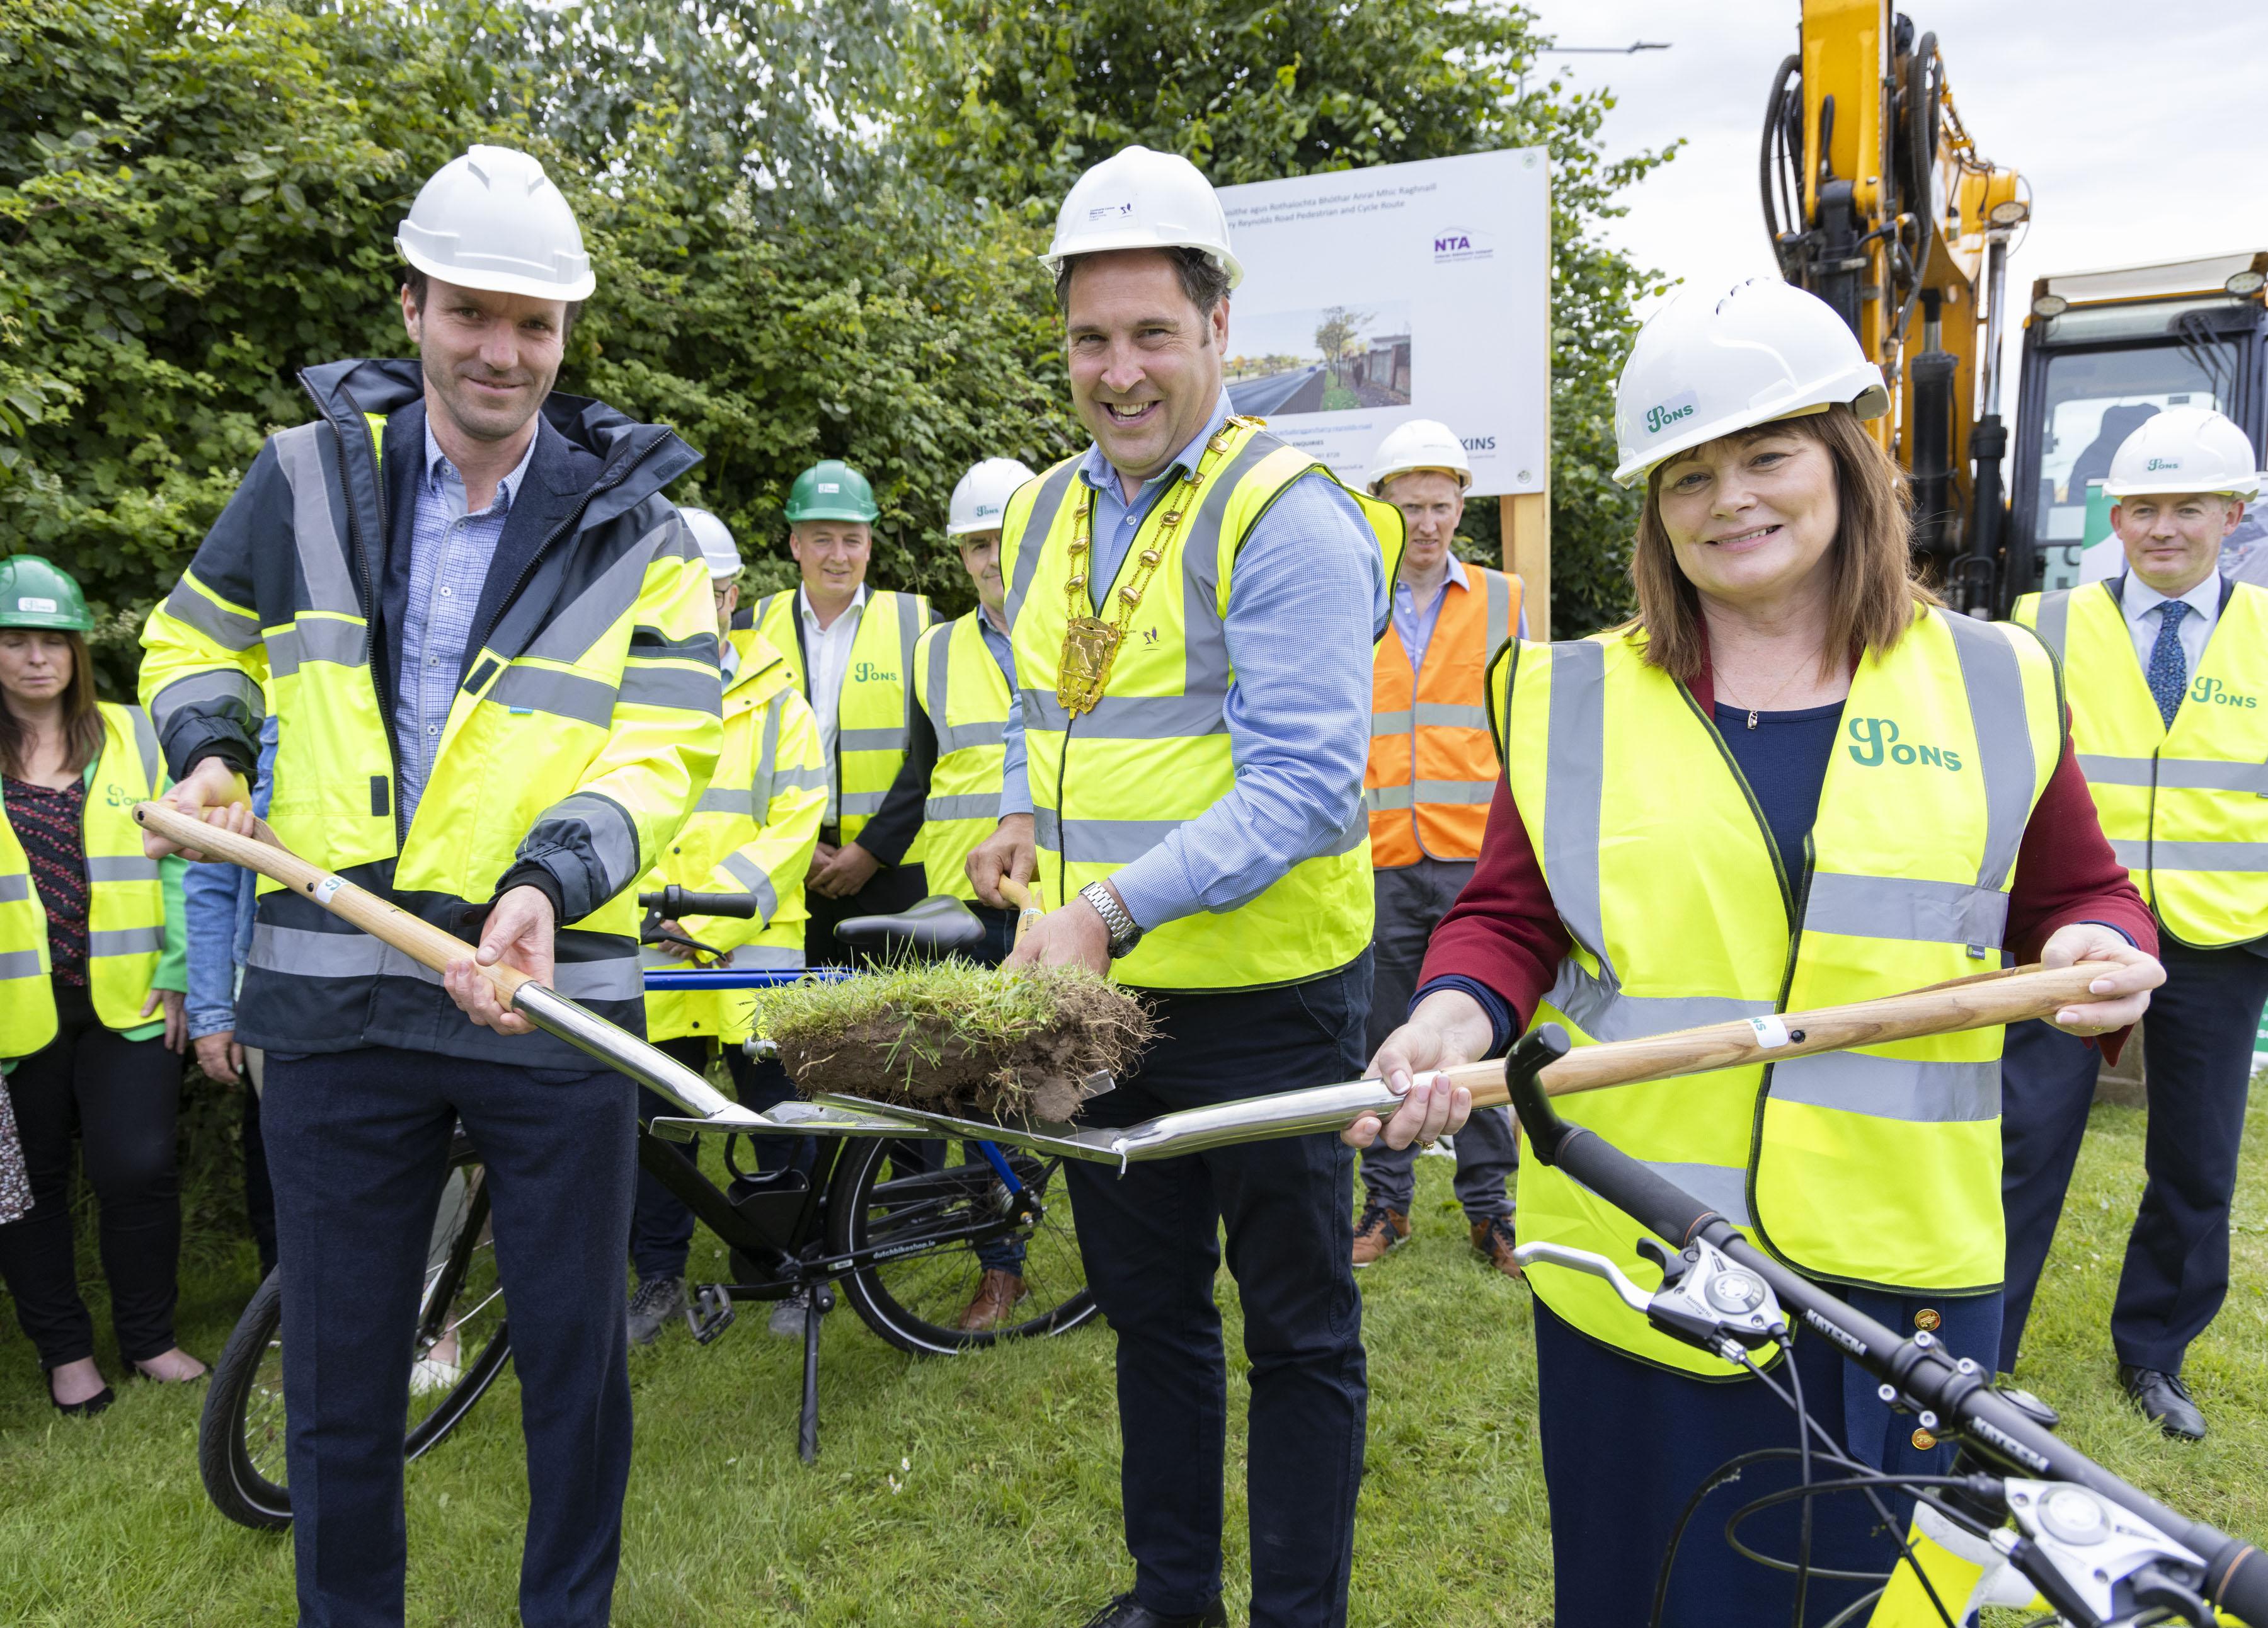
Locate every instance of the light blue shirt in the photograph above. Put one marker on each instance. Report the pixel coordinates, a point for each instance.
(449, 555)
(1004, 656)
(1306, 605)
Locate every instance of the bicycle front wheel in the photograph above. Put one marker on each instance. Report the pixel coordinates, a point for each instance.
(935, 1217)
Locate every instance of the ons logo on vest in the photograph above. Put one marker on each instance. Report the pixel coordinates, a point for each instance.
(867, 673)
(2210, 692)
(1877, 741)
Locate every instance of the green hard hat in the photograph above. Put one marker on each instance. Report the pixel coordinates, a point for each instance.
(38, 593)
(830, 490)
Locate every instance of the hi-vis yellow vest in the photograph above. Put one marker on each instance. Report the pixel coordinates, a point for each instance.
(870, 720)
(961, 688)
(126, 906)
(2185, 809)
(1880, 1167)
(753, 831)
(1154, 754)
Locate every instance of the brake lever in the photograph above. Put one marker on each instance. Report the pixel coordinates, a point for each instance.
(1585, 1260)
(655, 935)
(2094, 1562)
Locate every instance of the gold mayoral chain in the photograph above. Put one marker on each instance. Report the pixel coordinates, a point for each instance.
(1090, 644)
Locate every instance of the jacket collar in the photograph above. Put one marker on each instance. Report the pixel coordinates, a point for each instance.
(764, 672)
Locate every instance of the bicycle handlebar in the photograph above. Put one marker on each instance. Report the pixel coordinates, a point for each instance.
(1961, 1394)
(676, 902)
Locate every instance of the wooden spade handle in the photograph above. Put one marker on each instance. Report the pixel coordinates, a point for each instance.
(416, 937)
(1026, 898)
(2008, 996)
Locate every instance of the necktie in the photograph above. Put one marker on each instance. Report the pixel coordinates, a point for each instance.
(2169, 670)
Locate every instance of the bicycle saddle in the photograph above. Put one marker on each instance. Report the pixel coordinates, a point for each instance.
(938, 926)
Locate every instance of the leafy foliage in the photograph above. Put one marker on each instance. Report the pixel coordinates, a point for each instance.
(814, 227)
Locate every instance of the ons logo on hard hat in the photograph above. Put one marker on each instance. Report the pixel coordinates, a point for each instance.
(831, 486)
(1661, 415)
(2162, 463)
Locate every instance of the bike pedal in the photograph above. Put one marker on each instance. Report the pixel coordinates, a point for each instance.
(710, 1313)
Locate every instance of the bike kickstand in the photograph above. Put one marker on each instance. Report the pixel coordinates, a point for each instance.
(806, 1429)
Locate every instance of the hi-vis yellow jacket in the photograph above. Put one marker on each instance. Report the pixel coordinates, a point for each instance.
(134, 920)
(962, 689)
(586, 720)
(753, 831)
(2185, 809)
(872, 712)
(1879, 1166)
(1155, 752)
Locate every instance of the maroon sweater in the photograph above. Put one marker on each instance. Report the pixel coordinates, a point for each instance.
(1504, 932)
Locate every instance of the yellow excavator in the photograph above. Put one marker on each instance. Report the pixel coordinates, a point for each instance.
(1878, 202)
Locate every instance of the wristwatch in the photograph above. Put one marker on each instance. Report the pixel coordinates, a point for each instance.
(1125, 933)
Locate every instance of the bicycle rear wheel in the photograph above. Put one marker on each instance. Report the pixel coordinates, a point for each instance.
(894, 1195)
(461, 1345)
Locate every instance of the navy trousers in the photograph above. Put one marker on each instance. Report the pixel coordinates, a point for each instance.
(1626, 1444)
(1151, 1241)
(358, 1145)
(2197, 1056)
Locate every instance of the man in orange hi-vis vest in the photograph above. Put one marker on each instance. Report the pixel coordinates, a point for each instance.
(1433, 771)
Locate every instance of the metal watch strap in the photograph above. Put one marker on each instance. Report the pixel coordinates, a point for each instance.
(1125, 933)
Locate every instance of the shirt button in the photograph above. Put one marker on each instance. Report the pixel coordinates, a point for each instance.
(433, 661)
(445, 593)
(430, 730)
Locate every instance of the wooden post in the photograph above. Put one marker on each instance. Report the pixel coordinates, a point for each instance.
(1527, 519)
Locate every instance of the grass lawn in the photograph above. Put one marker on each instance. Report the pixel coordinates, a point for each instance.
(984, 1490)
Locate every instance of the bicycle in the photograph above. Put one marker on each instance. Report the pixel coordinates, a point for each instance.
(2021, 1503)
(884, 1216)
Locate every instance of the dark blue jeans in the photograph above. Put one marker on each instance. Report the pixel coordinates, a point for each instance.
(358, 1145)
(1151, 1241)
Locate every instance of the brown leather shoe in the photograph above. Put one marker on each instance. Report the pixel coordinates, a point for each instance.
(1492, 1239)
(997, 1294)
(1379, 1230)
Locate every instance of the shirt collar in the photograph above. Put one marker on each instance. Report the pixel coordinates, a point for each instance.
(2139, 598)
(802, 602)
(1095, 469)
(439, 470)
(985, 624)
(1456, 575)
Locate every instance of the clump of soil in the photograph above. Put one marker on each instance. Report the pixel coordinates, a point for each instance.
(956, 1039)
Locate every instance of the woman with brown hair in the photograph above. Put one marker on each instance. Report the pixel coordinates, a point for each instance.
(91, 968)
(1793, 780)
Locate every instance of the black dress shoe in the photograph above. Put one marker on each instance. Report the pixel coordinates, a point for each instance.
(2164, 1401)
(1123, 1613)
(89, 1407)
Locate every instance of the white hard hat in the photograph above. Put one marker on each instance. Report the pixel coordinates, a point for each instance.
(1421, 444)
(1708, 364)
(718, 549)
(981, 498)
(2184, 449)
(1140, 199)
(492, 219)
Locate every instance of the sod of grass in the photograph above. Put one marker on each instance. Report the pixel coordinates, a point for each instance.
(984, 1490)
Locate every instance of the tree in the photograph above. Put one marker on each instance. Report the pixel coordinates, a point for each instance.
(1009, 100)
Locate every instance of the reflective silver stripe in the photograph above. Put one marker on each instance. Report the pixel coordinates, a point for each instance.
(813, 778)
(206, 691)
(952, 737)
(1451, 715)
(1206, 670)
(766, 782)
(145, 743)
(1099, 842)
(871, 739)
(1723, 1188)
(687, 689)
(15, 890)
(21, 964)
(1389, 724)
(971, 737)
(1465, 793)
(971, 806)
(651, 641)
(1605, 1013)
(231, 630)
(1384, 798)
(1499, 621)
(1351, 836)
(613, 839)
(314, 528)
(1877, 906)
(1046, 502)
(562, 695)
(2101, 771)
(755, 880)
(113, 868)
(2231, 857)
(911, 626)
(716, 799)
(570, 631)
(1995, 683)
(1919, 1093)
(857, 803)
(298, 953)
(1132, 717)
(2176, 774)
(1574, 789)
(127, 941)
(316, 638)
(2054, 624)
(764, 957)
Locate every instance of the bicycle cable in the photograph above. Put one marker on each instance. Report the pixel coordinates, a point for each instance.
(1803, 1452)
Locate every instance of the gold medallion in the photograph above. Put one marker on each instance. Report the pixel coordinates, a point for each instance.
(1090, 647)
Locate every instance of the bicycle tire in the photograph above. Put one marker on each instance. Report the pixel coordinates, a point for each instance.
(240, 1430)
(881, 1193)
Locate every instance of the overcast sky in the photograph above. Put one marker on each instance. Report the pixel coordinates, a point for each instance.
(2143, 129)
